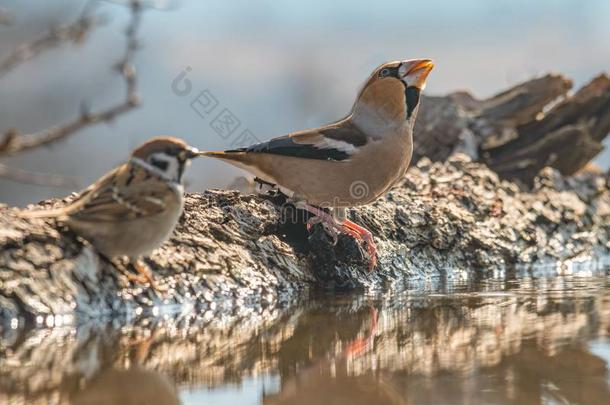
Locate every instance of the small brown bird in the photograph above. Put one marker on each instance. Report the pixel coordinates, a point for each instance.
(134, 208)
(350, 162)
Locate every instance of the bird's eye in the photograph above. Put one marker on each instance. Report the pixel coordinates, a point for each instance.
(385, 72)
(161, 164)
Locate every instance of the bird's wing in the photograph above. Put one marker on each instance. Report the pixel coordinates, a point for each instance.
(336, 142)
(128, 192)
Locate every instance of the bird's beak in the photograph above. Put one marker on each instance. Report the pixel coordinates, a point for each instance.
(414, 72)
(191, 152)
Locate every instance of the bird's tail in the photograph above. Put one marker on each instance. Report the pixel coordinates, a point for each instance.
(52, 213)
(237, 158)
(230, 155)
(222, 155)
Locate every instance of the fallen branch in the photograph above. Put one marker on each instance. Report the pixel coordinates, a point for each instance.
(453, 218)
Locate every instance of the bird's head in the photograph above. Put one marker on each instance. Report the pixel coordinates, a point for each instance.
(167, 155)
(391, 94)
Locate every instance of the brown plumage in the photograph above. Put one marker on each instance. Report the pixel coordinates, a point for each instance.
(350, 162)
(159, 144)
(134, 208)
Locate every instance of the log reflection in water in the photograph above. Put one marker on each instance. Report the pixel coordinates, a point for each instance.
(522, 342)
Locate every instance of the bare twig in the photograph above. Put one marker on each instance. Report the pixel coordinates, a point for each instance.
(14, 142)
(40, 179)
(164, 5)
(75, 32)
(5, 17)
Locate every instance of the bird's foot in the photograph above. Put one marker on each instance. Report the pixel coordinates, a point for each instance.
(262, 183)
(134, 278)
(334, 227)
(144, 276)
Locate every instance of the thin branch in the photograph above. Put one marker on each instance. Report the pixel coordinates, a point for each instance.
(15, 143)
(163, 5)
(5, 16)
(39, 179)
(75, 32)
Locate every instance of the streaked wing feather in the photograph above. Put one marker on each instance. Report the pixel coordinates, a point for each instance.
(112, 200)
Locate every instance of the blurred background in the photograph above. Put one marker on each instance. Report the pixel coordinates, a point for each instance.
(275, 66)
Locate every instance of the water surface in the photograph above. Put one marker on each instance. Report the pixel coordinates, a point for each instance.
(535, 340)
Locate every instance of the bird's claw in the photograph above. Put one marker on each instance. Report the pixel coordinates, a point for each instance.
(145, 276)
(311, 222)
(330, 228)
(332, 232)
(333, 229)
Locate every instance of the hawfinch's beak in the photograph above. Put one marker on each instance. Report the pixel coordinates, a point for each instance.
(414, 72)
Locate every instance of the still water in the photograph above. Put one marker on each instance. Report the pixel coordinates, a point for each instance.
(534, 340)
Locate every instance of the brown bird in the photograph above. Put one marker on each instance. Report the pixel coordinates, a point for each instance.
(351, 162)
(135, 207)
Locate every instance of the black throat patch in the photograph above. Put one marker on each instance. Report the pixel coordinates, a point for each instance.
(181, 167)
(411, 98)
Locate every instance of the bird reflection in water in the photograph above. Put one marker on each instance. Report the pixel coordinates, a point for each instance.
(328, 380)
(512, 342)
(135, 385)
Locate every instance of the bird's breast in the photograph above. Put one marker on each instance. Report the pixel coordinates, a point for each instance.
(372, 171)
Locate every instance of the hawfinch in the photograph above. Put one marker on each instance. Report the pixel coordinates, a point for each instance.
(348, 163)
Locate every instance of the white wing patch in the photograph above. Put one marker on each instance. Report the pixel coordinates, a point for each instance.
(328, 143)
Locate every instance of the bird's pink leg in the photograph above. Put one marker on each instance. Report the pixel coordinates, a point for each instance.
(346, 226)
(358, 346)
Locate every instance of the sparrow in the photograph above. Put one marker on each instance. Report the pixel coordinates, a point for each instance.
(135, 207)
(348, 163)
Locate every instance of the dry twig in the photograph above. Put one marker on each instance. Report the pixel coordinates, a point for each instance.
(40, 179)
(75, 32)
(14, 143)
(5, 17)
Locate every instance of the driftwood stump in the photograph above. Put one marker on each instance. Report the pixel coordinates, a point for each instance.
(519, 131)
